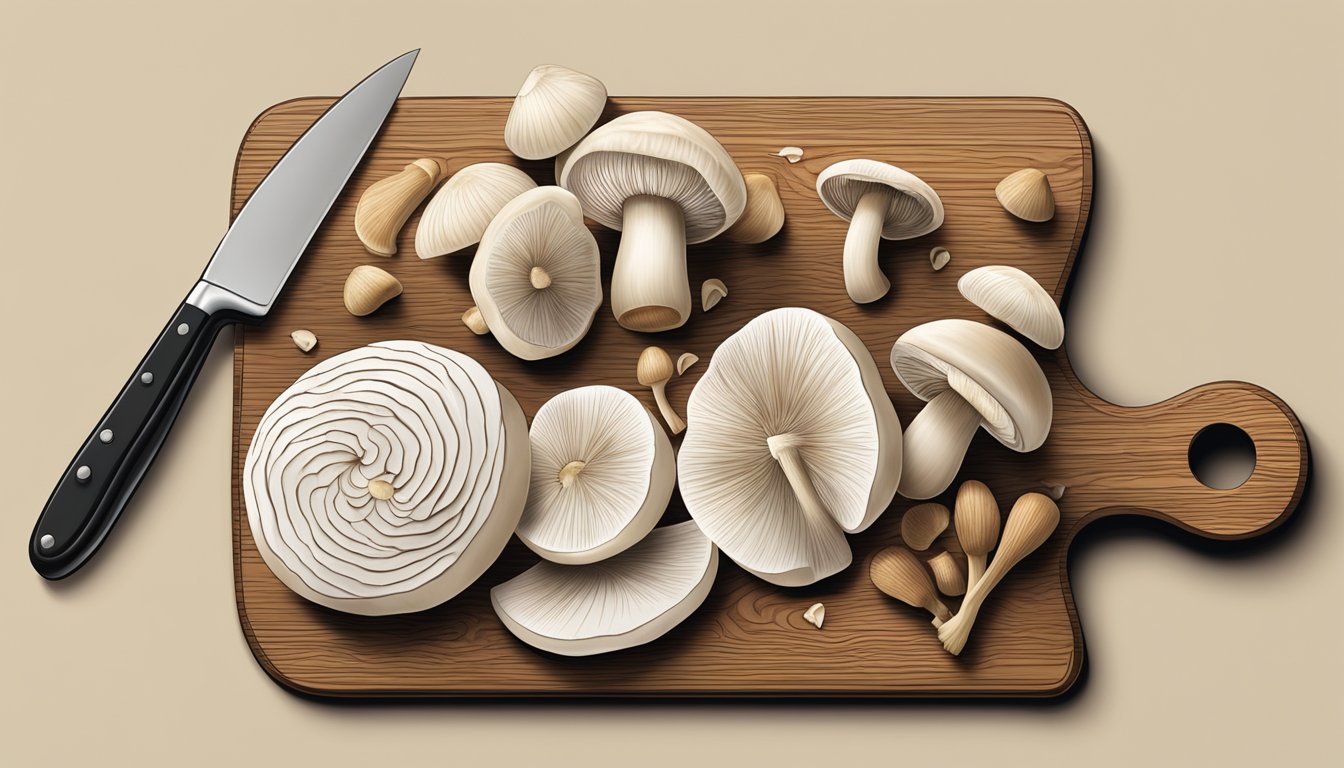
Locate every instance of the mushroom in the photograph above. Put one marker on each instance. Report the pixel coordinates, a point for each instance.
(653, 370)
(535, 277)
(554, 108)
(664, 182)
(386, 205)
(629, 600)
(367, 288)
(763, 216)
(602, 473)
(971, 375)
(459, 212)
(922, 524)
(1013, 296)
(879, 201)
(1027, 195)
(792, 443)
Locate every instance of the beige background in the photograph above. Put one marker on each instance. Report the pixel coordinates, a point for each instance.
(1213, 254)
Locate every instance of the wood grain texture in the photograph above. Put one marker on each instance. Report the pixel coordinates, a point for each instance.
(750, 638)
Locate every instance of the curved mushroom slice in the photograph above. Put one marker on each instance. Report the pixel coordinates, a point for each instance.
(880, 202)
(554, 108)
(972, 376)
(792, 443)
(1013, 296)
(602, 474)
(664, 182)
(459, 212)
(535, 277)
(628, 600)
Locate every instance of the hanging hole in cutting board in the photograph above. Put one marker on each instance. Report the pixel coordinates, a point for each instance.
(1222, 456)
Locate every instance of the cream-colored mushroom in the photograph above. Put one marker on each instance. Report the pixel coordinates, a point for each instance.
(457, 215)
(1013, 296)
(554, 108)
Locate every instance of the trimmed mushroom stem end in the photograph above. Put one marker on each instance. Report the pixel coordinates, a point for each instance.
(650, 290)
(570, 472)
(784, 448)
(863, 277)
(934, 445)
(539, 278)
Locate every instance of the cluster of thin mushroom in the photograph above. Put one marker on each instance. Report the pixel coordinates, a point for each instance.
(387, 479)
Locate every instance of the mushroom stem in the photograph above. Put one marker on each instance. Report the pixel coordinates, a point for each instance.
(539, 278)
(650, 291)
(934, 445)
(674, 421)
(863, 277)
(785, 450)
(570, 472)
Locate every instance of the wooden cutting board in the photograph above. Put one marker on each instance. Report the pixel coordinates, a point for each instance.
(749, 638)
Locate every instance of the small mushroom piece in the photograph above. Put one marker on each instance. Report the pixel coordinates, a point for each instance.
(459, 212)
(764, 215)
(367, 288)
(386, 205)
(971, 375)
(880, 202)
(938, 258)
(712, 291)
(473, 320)
(1027, 195)
(948, 574)
(304, 339)
(654, 370)
(664, 182)
(922, 523)
(1013, 296)
(792, 154)
(554, 108)
(535, 277)
(602, 474)
(685, 361)
(897, 573)
(815, 615)
(976, 517)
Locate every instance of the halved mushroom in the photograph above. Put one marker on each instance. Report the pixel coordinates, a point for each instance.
(880, 202)
(629, 600)
(664, 182)
(554, 108)
(459, 212)
(535, 277)
(972, 376)
(1013, 296)
(792, 443)
(602, 473)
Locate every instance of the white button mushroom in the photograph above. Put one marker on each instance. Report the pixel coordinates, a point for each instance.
(663, 182)
(972, 376)
(792, 443)
(602, 474)
(459, 212)
(536, 275)
(880, 202)
(1013, 296)
(554, 108)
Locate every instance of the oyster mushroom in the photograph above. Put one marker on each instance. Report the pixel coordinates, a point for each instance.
(535, 277)
(664, 182)
(554, 108)
(792, 443)
(880, 202)
(1013, 296)
(459, 212)
(602, 473)
(971, 375)
(629, 600)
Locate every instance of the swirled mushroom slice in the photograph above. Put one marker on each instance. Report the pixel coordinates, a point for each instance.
(387, 479)
(628, 600)
(792, 443)
(535, 277)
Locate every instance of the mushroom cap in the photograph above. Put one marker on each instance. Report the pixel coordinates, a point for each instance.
(631, 599)
(914, 210)
(623, 485)
(554, 108)
(662, 155)
(459, 212)
(989, 369)
(540, 229)
(789, 371)
(1013, 296)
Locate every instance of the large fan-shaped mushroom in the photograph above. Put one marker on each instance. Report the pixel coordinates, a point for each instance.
(387, 478)
(792, 443)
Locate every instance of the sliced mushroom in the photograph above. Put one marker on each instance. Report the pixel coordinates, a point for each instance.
(792, 443)
(663, 182)
(459, 212)
(764, 215)
(1013, 296)
(972, 376)
(386, 205)
(629, 600)
(602, 474)
(554, 108)
(922, 524)
(536, 276)
(880, 202)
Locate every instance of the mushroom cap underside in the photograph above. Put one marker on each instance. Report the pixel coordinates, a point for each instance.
(914, 208)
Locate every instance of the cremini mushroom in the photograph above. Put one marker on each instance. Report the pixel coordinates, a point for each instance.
(459, 212)
(535, 277)
(972, 376)
(663, 182)
(880, 202)
(792, 443)
(1027, 195)
(1011, 295)
(554, 108)
(602, 473)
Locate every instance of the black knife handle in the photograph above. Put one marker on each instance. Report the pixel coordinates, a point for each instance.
(107, 469)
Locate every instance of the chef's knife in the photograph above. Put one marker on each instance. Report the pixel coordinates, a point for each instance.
(241, 282)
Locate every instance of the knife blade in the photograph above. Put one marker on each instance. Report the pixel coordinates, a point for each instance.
(240, 283)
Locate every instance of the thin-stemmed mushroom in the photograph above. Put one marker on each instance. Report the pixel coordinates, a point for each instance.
(459, 212)
(971, 375)
(664, 182)
(1013, 296)
(554, 108)
(880, 202)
